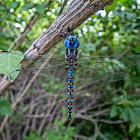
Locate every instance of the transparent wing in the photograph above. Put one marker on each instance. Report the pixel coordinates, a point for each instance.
(104, 68)
(56, 71)
(130, 59)
(98, 75)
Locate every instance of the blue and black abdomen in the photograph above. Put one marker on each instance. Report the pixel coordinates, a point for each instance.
(71, 43)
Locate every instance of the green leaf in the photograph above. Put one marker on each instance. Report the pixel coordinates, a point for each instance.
(134, 25)
(125, 2)
(2, 8)
(40, 8)
(137, 110)
(132, 115)
(132, 127)
(5, 107)
(131, 16)
(125, 114)
(111, 7)
(138, 124)
(104, 49)
(64, 111)
(114, 111)
(27, 6)
(9, 62)
(8, 15)
(14, 5)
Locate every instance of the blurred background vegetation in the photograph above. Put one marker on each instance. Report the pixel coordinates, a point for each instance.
(110, 112)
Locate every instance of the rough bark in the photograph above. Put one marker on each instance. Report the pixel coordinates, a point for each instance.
(77, 12)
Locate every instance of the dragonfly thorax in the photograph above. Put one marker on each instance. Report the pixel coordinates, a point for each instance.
(71, 53)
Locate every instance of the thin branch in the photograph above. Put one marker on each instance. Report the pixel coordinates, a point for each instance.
(81, 137)
(3, 123)
(62, 7)
(84, 36)
(15, 41)
(38, 21)
(111, 122)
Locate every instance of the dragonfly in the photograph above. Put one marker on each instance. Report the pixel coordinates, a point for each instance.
(95, 69)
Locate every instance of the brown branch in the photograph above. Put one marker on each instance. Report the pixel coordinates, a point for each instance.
(75, 15)
(81, 137)
(111, 122)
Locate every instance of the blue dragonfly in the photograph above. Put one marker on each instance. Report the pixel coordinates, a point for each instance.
(97, 70)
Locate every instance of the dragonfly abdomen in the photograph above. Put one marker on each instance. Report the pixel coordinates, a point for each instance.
(70, 94)
(71, 70)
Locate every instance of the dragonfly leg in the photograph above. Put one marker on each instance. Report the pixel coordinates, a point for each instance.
(75, 68)
(66, 67)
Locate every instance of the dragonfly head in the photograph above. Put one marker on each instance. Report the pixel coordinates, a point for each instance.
(72, 42)
(72, 38)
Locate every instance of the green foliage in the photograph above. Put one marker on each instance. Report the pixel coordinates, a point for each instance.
(40, 8)
(112, 6)
(127, 109)
(14, 5)
(64, 110)
(113, 132)
(26, 6)
(61, 132)
(9, 62)
(2, 8)
(5, 107)
(125, 2)
(33, 136)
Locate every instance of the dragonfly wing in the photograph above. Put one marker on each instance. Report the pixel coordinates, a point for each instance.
(50, 70)
(131, 59)
(106, 69)
(98, 74)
